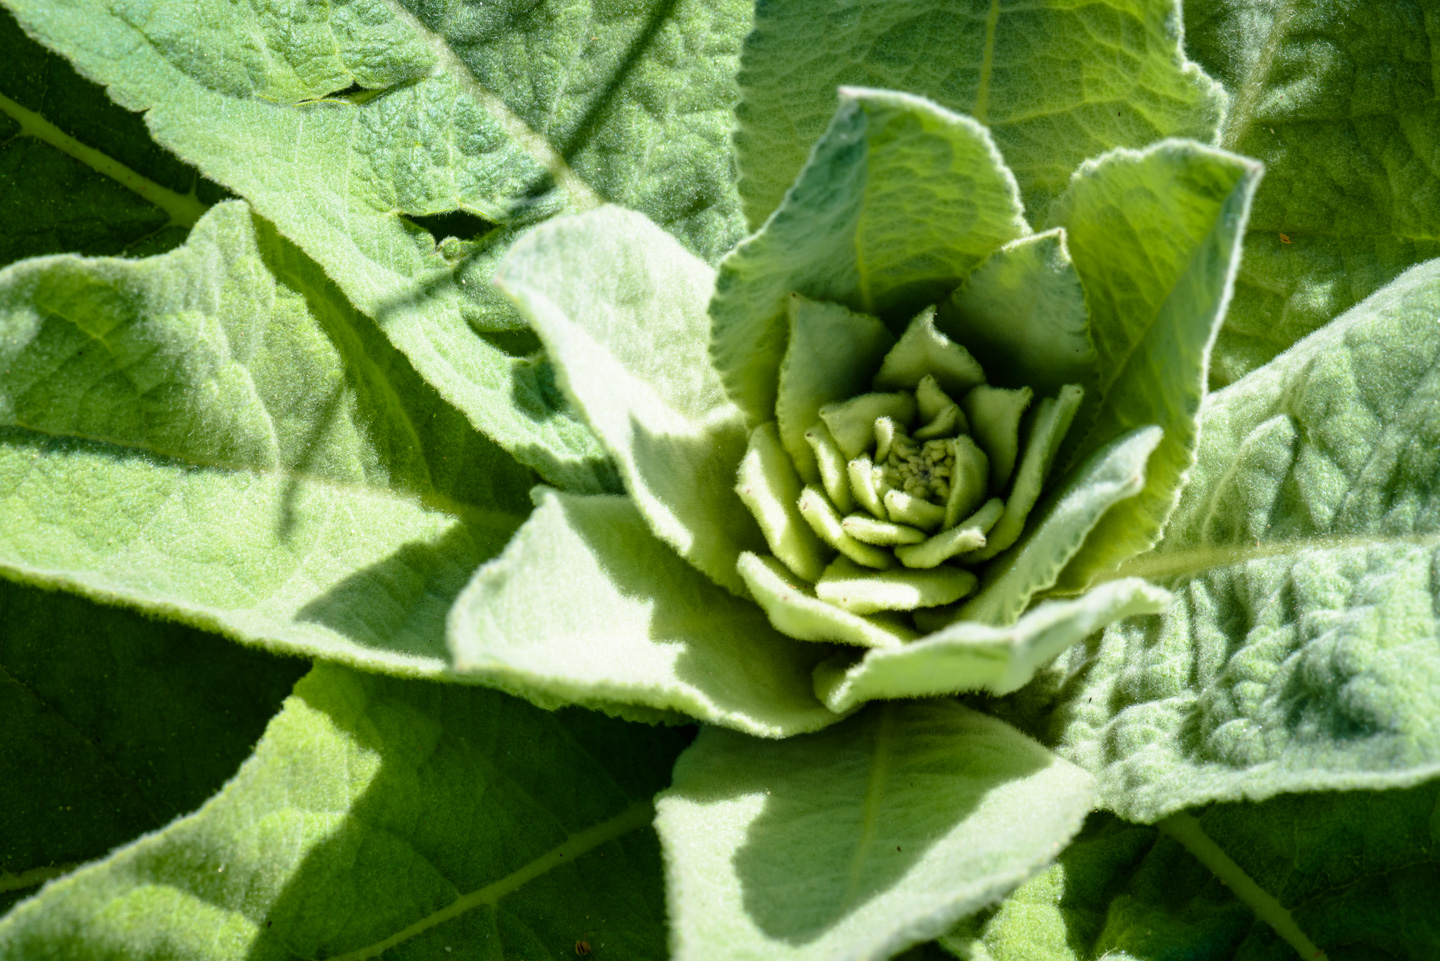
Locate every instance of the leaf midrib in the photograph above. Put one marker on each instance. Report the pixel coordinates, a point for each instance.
(636, 817)
(184, 209)
(1239, 119)
(1194, 561)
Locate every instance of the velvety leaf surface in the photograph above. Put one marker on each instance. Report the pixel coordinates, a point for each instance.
(1023, 315)
(352, 126)
(215, 435)
(970, 656)
(1055, 81)
(620, 307)
(586, 606)
(1338, 99)
(899, 201)
(1155, 237)
(112, 725)
(122, 195)
(1357, 872)
(861, 840)
(1302, 651)
(421, 820)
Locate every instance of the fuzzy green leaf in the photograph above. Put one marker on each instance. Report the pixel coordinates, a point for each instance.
(859, 841)
(587, 607)
(381, 815)
(621, 308)
(1055, 82)
(215, 435)
(1339, 103)
(352, 125)
(1302, 651)
(899, 201)
(1155, 237)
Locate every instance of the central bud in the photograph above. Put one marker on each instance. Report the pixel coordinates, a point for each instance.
(887, 504)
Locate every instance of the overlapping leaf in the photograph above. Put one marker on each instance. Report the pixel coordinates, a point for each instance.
(1055, 82)
(347, 125)
(1302, 651)
(859, 841)
(215, 435)
(379, 814)
(587, 606)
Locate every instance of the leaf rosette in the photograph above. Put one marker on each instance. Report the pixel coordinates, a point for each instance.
(896, 446)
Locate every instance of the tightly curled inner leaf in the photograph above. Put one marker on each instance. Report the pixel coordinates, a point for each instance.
(910, 488)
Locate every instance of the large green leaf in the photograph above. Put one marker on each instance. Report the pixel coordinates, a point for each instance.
(1355, 873)
(621, 308)
(111, 725)
(1302, 651)
(1339, 101)
(387, 815)
(861, 840)
(79, 174)
(586, 606)
(215, 435)
(900, 200)
(1055, 81)
(351, 125)
(1155, 237)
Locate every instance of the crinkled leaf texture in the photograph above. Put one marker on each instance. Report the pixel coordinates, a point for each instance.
(861, 840)
(1302, 651)
(1339, 102)
(385, 815)
(215, 435)
(350, 125)
(1056, 82)
(113, 724)
(1356, 872)
(587, 606)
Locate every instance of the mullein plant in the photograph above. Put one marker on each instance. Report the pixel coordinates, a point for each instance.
(866, 425)
(893, 448)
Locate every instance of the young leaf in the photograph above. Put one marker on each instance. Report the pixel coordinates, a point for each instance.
(1302, 651)
(971, 656)
(344, 126)
(1055, 82)
(111, 725)
(377, 815)
(621, 308)
(899, 201)
(215, 435)
(1341, 109)
(586, 606)
(1355, 873)
(861, 840)
(1155, 237)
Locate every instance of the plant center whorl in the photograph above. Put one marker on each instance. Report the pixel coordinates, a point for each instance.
(908, 490)
(920, 470)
